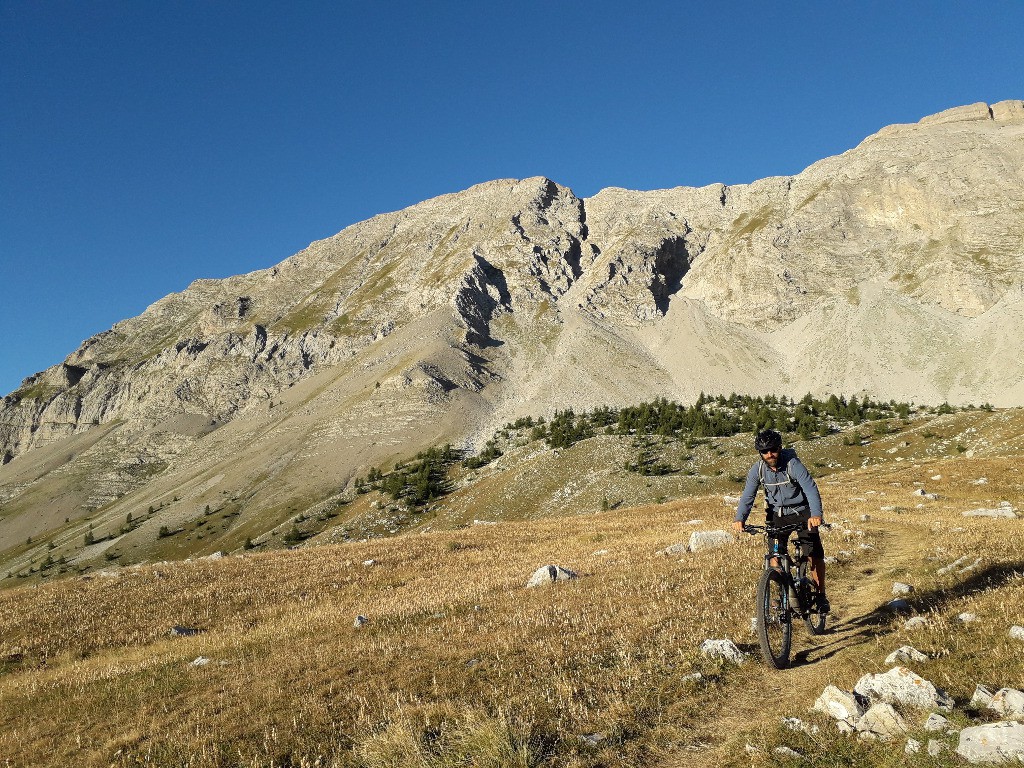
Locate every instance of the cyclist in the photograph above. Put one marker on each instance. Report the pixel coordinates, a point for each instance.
(791, 496)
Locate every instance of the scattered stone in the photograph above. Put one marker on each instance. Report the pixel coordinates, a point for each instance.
(955, 564)
(936, 477)
(905, 653)
(360, 621)
(701, 540)
(750, 749)
(883, 722)
(731, 501)
(844, 706)
(549, 574)
(901, 686)
(899, 588)
(898, 606)
(179, 631)
(865, 518)
(862, 545)
(796, 724)
(600, 553)
(694, 522)
(723, 649)
(936, 722)
(200, 661)
(982, 697)
(1008, 512)
(888, 508)
(916, 623)
(829, 560)
(1008, 702)
(675, 549)
(484, 522)
(967, 618)
(993, 743)
(592, 739)
(935, 748)
(924, 494)
(980, 481)
(787, 752)
(1017, 633)
(971, 567)
(913, 746)
(369, 563)
(694, 677)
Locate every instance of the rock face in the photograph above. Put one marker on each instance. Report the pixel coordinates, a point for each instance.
(895, 266)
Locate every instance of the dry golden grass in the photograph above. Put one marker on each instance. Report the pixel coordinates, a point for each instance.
(460, 665)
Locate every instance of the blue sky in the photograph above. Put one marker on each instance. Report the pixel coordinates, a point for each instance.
(147, 144)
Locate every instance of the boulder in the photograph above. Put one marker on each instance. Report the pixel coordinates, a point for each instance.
(787, 752)
(899, 588)
(967, 617)
(901, 686)
(1011, 111)
(992, 743)
(912, 747)
(844, 706)
(675, 549)
(905, 653)
(883, 722)
(916, 623)
(723, 649)
(935, 747)
(549, 574)
(1009, 702)
(1017, 633)
(898, 606)
(701, 540)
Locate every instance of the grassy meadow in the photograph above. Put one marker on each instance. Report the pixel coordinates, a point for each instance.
(458, 664)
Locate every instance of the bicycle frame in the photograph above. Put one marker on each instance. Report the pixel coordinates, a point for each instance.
(788, 565)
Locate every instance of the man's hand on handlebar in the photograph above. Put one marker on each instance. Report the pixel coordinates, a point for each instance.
(737, 526)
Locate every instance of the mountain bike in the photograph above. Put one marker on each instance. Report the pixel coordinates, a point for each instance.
(785, 591)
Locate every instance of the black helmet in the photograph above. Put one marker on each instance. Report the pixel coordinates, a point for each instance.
(768, 440)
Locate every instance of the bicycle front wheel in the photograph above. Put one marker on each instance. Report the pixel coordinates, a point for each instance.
(813, 616)
(774, 624)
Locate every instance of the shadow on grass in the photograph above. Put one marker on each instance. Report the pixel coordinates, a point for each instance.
(866, 627)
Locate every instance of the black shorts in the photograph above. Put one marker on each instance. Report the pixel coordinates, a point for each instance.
(809, 539)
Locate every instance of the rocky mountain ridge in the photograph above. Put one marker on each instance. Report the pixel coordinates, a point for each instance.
(895, 269)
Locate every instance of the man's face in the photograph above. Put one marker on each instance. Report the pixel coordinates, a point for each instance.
(771, 458)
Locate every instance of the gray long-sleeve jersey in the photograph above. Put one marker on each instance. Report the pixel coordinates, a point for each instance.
(791, 485)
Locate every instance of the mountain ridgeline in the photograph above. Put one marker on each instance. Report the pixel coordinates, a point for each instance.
(893, 271)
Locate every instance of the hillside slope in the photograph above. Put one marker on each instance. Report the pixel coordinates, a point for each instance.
(458, 661)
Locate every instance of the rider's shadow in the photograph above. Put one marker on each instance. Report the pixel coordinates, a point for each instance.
(879, 621)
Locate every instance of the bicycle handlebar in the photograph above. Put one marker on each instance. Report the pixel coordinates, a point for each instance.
(771, 529)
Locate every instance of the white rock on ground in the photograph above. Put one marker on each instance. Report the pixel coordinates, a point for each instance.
(901, 686)
(675, 549)
(549, 574)
(883, 722)
(905, 653)
(360, 621)
(701, 540)
(1008, 512)
(982, 697)
(1009, 702)
(935, 747)
(912, 746)
(952, 566)
(992, 743)
(967, 617)
(787, 752)
(1017, 633)
(936, 722)
(723, 649)
(844, 706)
(916, 623)
(899, 588)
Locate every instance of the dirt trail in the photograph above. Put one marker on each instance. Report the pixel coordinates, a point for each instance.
(759, 696)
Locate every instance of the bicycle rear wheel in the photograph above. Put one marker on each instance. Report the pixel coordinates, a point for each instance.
(813, 617)
(774, 625)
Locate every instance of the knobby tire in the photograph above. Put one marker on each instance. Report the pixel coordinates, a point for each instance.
(774, 621)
